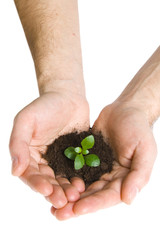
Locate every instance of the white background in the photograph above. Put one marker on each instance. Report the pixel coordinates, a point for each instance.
(117, 38)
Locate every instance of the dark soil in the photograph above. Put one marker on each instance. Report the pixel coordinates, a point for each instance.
(65, 167)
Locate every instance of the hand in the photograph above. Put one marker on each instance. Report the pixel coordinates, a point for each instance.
(37, 125)
(131, 137)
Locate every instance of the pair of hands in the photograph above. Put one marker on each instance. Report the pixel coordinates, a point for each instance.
(59, 112)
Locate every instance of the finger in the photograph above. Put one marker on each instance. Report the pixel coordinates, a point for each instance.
(39, 184)
(67, 211)
(64, 213)
(57, 198)
(104, 198)
(35, 180)
(78, 183)
(45, 170)
(71, 191)
(94, 187)
(41, 179)
(20, 157)
(141, 168)
(19, 142)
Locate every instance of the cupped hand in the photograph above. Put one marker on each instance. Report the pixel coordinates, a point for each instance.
(131, 137)
(36, 126)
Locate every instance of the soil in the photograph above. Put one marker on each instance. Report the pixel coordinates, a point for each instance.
(65, 167)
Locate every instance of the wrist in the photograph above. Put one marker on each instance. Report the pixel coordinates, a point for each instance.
(143, 90)
(51, 83)
(143, 102)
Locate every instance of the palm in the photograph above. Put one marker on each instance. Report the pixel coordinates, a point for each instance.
(42, 121)
(54, 114)
(135, 150)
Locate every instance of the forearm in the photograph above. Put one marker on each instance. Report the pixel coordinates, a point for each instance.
(144, 89)
(52, 31)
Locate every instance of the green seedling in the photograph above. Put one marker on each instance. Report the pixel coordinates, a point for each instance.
(81, 155)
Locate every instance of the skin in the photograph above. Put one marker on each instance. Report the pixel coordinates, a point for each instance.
(135, 151)
(52, 32)
(127, 123)
(34, 128)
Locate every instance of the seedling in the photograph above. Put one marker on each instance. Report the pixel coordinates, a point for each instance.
(81, 155)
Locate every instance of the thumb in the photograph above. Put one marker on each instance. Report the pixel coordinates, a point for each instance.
(19, 145)
(141, 168)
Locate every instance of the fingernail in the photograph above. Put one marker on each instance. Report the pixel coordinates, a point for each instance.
(14, 163)
(133, 194)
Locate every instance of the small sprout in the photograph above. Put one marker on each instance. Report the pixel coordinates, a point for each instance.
(85, 152)
(92, 160)
(78, 149)
(79, 162)
(81, 155)
(70, 153)
(87, 142)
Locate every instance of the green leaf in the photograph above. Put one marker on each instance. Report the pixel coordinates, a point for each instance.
(92, 160)
(70, 153)
(78, 149)
(85, 152)
(88, 142)
(79, 162)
